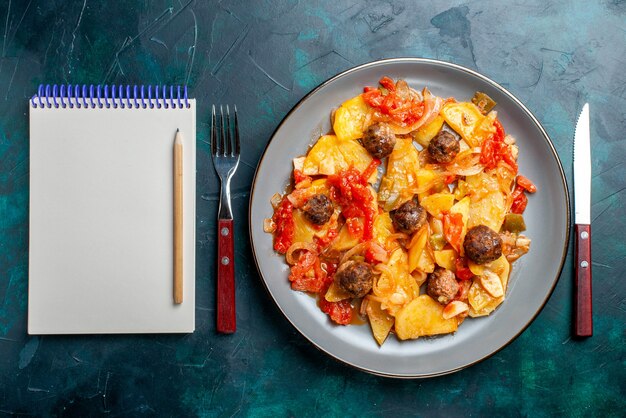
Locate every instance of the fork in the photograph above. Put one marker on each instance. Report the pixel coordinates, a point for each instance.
(225, 156)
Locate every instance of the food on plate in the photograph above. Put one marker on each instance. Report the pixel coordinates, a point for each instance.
(318, 209)
(443, 147)
(355, 278)
(409, 217)
(379, 140)
(442, 285)
(409, 214)
(483, 102)
(422, 317)
(482, 244)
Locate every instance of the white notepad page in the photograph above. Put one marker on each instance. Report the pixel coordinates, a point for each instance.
(101, 220)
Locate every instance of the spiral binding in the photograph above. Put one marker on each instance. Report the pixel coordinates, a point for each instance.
(107, 96)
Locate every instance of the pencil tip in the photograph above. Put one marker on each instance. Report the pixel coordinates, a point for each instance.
(177, 130)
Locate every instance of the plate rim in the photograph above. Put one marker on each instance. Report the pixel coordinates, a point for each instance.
(493, 84)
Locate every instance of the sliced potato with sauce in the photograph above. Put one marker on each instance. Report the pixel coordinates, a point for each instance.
(345, 240)
(420, 277)
(423, 316)
(489, 211)
(481, 302)
(484, 129)
(427, 132)
(399, 265)
(401, 175)
(335, 293)
(487, 308)
(437, 203)
(446, 259)
(502, 268)
(350, 118)
(463, 117)
(324, 157)
(330, 155)
(426, 262)
(304, 231)
(482, 183)
(383, 228)
(478, 297)
(380, 321)
(417, 248)
(499, 266)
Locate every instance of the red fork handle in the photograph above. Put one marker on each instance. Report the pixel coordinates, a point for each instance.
(584, 318)
(226, 318)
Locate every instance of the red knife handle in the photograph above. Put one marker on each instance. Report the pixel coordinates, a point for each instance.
(584, 319)
(226, 318)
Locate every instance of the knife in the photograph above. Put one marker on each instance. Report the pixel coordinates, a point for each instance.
(583, 326)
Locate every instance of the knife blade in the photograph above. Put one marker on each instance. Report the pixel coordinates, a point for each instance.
(582, 169)
(583, 326)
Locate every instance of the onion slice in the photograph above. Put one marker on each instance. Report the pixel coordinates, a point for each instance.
(297, 246)
(466, 163)
(383, 269)
(357, 249)
(397, 236)
(377, 252)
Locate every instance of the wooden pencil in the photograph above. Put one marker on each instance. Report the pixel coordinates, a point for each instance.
(178, 218)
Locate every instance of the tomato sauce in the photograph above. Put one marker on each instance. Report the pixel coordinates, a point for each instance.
(309, 274)
(494, 149)
(405, 111)
(327, 239)
(350, 190)
(462, 270)
(299, 176)
(453, 228)
(340, 312)
(519, 200)
(526, 184)
(283, 218)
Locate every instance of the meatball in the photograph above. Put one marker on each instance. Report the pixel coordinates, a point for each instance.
(443, 147)
(318, 209)
(409, 217)
(442, 285)
(355, 277)
(379, 140)
(482, 244)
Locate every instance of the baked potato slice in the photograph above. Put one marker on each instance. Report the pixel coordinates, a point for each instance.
(350, 118)
(401, 177)
(380, 321)
(423, 316)
(330, 155)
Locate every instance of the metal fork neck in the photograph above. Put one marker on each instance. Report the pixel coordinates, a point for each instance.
(225, 210)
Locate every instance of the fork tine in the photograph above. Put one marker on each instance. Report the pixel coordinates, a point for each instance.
(222, 132)
(213, 133)
(236, 134)
(229, 142)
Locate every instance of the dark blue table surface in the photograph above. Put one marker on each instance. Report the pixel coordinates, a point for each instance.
(265, 56)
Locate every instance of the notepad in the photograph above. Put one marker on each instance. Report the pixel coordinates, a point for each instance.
(101, 210)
